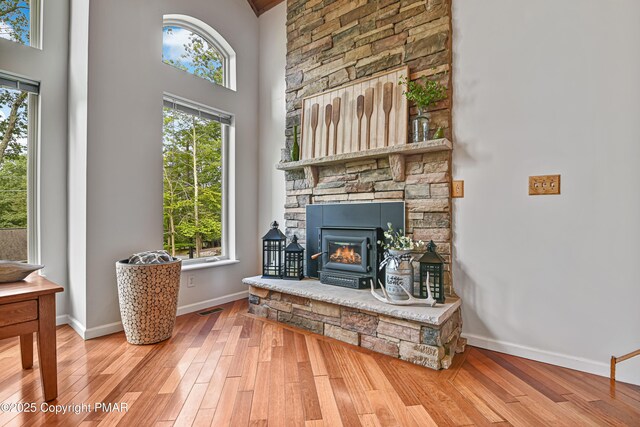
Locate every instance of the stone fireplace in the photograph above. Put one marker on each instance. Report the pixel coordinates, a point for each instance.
(331, 44)
(332, 203)
(415, 177)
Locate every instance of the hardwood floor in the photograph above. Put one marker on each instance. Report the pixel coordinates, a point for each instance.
(232, 369)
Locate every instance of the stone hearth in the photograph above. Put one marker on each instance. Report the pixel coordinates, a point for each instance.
(427, 336)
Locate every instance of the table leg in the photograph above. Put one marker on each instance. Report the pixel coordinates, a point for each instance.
(47, 346)
(26, 350)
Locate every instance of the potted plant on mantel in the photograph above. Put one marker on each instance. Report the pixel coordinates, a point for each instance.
(424, 93)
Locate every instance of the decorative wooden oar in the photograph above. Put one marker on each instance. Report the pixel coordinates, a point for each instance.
(327, 122)
(359, 113)
(387, 102)
(315, 108)
(336, 120)
(368, 111)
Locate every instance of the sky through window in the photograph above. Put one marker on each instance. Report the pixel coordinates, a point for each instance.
(190, 52)
(15, 21)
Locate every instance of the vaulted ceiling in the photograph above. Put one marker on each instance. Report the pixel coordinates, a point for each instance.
(261, 6)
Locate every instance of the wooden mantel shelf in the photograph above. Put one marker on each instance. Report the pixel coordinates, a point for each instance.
(396, 154)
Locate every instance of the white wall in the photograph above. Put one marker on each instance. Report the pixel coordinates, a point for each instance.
(49, 66)
(126, 81)
(273, 60)
(77, 160)
(549, 87)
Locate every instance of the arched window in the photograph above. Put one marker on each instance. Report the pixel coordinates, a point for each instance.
(196, 145)
(195, 47)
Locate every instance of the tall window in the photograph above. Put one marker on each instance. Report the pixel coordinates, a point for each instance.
(194, 147)
(17, 110)
(18, 21)
(193, 46)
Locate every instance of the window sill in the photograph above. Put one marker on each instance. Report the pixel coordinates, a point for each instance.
(201, 265)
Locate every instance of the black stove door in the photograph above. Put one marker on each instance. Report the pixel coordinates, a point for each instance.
(346, 253)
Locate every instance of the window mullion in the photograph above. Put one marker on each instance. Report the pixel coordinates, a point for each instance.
(33, 181)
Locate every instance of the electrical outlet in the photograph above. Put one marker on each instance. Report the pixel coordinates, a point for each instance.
(191, 282)
(544, 184)
(457, 189)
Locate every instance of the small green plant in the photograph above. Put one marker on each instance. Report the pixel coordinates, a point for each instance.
(396, 240)
(423, 91)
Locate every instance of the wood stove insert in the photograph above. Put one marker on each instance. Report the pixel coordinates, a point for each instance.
(350, 256)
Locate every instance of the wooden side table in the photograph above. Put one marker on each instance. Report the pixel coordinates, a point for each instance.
(30, 306)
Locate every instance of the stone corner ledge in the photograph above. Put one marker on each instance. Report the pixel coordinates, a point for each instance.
(431, 346)
(359, 299)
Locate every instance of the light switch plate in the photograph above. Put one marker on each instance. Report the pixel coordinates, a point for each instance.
(457, 189)
(544, 185)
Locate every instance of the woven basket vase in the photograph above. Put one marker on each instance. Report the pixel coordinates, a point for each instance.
(148, 296)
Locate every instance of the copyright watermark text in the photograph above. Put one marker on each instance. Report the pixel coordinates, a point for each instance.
(69, 408)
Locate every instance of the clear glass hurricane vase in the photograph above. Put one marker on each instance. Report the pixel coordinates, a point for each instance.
(420, 126)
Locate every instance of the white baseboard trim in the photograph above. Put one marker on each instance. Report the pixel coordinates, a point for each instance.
(76, 325)
(98, 331)
(89, 333)
(558, 359)
(190, 308)
(111, 328)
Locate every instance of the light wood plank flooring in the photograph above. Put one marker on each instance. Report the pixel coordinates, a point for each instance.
(233, 369)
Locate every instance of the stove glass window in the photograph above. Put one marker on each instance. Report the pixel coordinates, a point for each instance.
(345, 253)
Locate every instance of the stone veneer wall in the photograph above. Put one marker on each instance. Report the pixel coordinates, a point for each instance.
(333, 42)
(330, 43)
(422, 344)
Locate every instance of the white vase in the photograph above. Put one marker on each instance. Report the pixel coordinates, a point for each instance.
(399, 274)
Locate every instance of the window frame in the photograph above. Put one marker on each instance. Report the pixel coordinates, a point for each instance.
(212, 37)
(35, 25)
(33, 160)
(33, 179)
(227, 241)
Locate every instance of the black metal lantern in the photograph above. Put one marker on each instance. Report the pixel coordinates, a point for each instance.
(293, 260)
(273, 252)
(432, 273)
